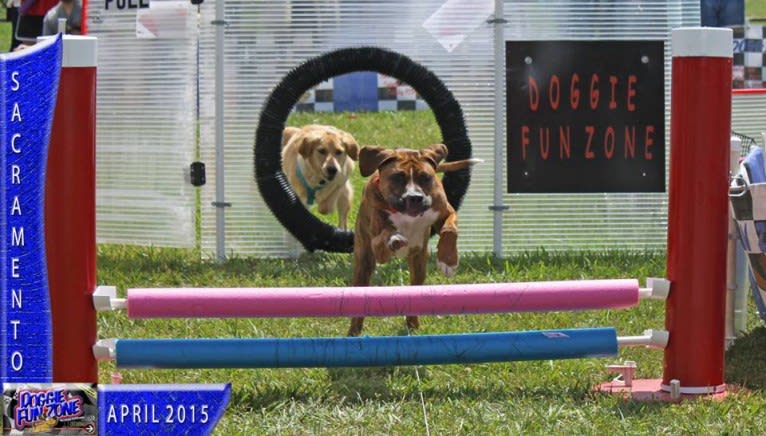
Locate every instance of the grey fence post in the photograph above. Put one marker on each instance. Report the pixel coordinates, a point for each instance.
(498, 208)
(219, 203)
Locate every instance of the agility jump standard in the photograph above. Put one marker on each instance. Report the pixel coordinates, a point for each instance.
(697, 227)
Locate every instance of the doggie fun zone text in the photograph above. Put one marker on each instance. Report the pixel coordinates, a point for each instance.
(585, 116)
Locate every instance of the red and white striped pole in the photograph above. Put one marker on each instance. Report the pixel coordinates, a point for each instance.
(698, 209)
(70, 214)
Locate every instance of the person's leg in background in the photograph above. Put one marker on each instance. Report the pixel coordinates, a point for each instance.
(722, 13)
(732, 13)
(13, 17)
(709, 12)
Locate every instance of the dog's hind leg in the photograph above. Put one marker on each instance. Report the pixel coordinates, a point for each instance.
(364, 266)
(417, 262)
(355, 329)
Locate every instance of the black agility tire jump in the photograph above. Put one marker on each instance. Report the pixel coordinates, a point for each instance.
(272, 182)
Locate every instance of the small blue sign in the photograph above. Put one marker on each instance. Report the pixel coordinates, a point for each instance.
(139, 410)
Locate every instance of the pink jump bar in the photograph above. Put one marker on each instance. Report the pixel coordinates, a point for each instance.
(382, 301)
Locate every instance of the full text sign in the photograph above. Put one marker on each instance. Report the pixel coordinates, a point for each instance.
(585, 116)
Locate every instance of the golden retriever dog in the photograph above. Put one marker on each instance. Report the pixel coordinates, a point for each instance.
(318, 161)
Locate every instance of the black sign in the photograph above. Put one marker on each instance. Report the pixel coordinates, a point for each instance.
(585, 116)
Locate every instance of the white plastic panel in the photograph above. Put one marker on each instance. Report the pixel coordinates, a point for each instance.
(748, 114)
(146, 114)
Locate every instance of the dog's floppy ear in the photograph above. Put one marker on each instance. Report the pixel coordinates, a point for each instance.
(434, 153)
(305, 146)
(308, 142)
(372, 157)
(352, 150)
(351, 146)
(288, 133)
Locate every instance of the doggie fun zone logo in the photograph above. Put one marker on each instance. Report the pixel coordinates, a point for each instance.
(585, 116)
(46, 408)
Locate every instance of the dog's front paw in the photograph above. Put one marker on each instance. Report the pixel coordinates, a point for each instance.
(446, 253)
(396, 242)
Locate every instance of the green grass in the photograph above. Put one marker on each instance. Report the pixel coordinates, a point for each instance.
(5, 33)
(548, 397)
(755, 9)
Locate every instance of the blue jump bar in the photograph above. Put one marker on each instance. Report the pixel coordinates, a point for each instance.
(366, 351)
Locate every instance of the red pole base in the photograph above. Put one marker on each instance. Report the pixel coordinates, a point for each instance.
(650, 390)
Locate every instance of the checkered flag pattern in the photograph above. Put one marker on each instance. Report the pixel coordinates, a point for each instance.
(749, 67)
(319, 99)
(395, 95)
(748, 204)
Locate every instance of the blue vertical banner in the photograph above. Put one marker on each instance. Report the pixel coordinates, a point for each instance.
(29, 85)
